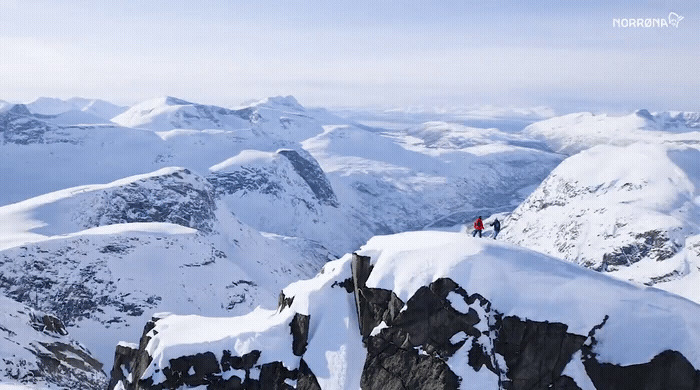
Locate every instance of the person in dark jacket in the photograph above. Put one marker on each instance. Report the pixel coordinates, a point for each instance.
(478, 227)
(496, 227)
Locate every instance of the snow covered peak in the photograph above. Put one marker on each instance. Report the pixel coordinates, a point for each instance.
(167, 113)
(97, 107)
(18, 109)
(572, 133)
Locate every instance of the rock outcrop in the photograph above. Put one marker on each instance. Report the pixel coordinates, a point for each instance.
(35, 350)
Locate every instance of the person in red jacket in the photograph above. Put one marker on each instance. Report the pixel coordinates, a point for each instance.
(478, 227)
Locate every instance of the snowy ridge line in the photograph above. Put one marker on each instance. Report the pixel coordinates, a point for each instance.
(423, 276)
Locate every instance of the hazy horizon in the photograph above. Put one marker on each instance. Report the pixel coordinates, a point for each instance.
(563, 57)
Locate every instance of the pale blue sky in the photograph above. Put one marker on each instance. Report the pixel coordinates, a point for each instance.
(562, 54)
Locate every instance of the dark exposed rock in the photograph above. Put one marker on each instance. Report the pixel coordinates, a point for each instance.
(246, 179)
(313, 175)
(389, 367)
(535, 352)
(48, 323)
(134, 361)
(667, 370)
(300, 333)
(284, 301)
(347, 284)
(245, 362)
(193, 370)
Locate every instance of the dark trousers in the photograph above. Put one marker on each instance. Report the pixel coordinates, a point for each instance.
(495, 233)
(476, 231)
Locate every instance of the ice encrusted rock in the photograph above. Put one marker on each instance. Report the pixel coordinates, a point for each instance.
(389, 317)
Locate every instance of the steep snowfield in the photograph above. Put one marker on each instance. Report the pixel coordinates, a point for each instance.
(517, 283)
(105, 257)
(573, 133)
(37, 353)
(632, 211)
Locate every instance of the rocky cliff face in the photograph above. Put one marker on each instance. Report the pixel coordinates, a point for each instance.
(441, 337)
(19, 126)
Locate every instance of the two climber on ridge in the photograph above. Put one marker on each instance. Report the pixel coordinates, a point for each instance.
(479, 227)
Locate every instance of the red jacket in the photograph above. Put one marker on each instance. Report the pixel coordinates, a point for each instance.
(478, 224)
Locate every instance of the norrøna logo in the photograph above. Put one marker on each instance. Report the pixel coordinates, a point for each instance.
(673, 20)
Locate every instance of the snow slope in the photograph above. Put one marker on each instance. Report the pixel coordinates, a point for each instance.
(575, 132)
(505, 282)
(631, 211)
(37, 353)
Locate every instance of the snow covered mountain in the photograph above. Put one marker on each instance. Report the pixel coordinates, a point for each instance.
(628, 210)
(626, 204)
(36, 352)
(573, 133)
(168, 113)
(105, 257)
(431, 310)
